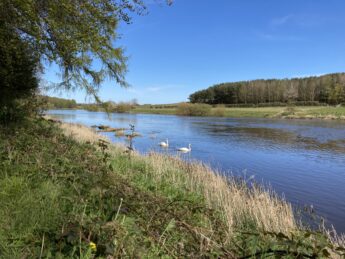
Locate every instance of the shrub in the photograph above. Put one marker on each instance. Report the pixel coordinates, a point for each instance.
(219, 111)
(189, 109)
(91, 107)
(123, 107)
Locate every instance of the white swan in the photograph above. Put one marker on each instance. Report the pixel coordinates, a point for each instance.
(164, 144)
(185, 150)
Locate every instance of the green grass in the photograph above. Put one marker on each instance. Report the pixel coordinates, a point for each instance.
(148, 110)
(57, 195)
(301, 112)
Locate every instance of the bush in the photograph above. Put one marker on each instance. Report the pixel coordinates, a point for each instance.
(189, 109)
(219, 111)
(123, 107)
(91, 107)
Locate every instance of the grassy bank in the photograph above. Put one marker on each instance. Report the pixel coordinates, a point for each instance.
(296, 112)
(66, 193)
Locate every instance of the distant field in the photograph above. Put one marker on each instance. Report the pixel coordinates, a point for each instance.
(308, 112)
(144, 109)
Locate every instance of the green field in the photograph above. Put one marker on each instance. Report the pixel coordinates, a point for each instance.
(148, 110)
(298, 112)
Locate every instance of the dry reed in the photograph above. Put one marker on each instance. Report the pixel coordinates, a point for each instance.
(237, 202)
(81, 133)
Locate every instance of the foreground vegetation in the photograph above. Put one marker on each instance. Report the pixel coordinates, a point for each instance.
(66, 192)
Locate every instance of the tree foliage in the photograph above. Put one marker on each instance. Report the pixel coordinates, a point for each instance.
(328, 89)
(18, 75)
(59, 103)
(78, 35)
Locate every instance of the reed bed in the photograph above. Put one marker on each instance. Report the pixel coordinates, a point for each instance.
(239, 203)
(81, 133)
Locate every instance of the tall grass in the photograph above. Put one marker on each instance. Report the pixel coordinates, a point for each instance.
(239, 204)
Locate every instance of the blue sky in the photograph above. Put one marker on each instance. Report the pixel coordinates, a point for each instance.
(174, 51)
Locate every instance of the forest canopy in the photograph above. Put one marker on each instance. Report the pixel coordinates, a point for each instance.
(328, 89)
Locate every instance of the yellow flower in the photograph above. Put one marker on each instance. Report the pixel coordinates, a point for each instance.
(93, 246)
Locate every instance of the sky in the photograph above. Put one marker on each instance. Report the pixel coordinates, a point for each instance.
(176, 50)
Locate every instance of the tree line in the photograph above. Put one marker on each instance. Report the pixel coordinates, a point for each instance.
(329, 89)
(59, 103)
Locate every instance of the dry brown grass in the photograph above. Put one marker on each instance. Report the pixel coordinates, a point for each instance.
(81, 133)
(237, 202)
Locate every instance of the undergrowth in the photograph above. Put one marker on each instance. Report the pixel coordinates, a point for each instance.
(66, 199)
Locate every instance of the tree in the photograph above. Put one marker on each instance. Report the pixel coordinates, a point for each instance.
(75, 34)
(18, 74)
(324, 89)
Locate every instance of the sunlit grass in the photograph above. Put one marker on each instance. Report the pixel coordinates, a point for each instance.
(321, 112)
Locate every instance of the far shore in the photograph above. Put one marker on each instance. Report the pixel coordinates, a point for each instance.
(295, 112)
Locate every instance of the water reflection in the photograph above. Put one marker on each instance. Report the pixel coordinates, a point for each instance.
(271, 137)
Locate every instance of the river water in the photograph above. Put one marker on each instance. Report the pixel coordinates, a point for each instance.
(302, 160)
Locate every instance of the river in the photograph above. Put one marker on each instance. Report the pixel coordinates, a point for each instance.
(302, 160)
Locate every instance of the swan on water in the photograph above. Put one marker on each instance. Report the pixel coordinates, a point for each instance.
(185, 150)
(164, 144)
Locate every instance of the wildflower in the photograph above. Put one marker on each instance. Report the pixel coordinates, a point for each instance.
(93, 246)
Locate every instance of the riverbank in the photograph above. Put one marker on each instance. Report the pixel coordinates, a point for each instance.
(66, 193)
(280, 112)
(295, 112)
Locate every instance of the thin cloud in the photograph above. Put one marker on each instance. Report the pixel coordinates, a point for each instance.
(301, 20)
(277, 37)
(282, 20)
